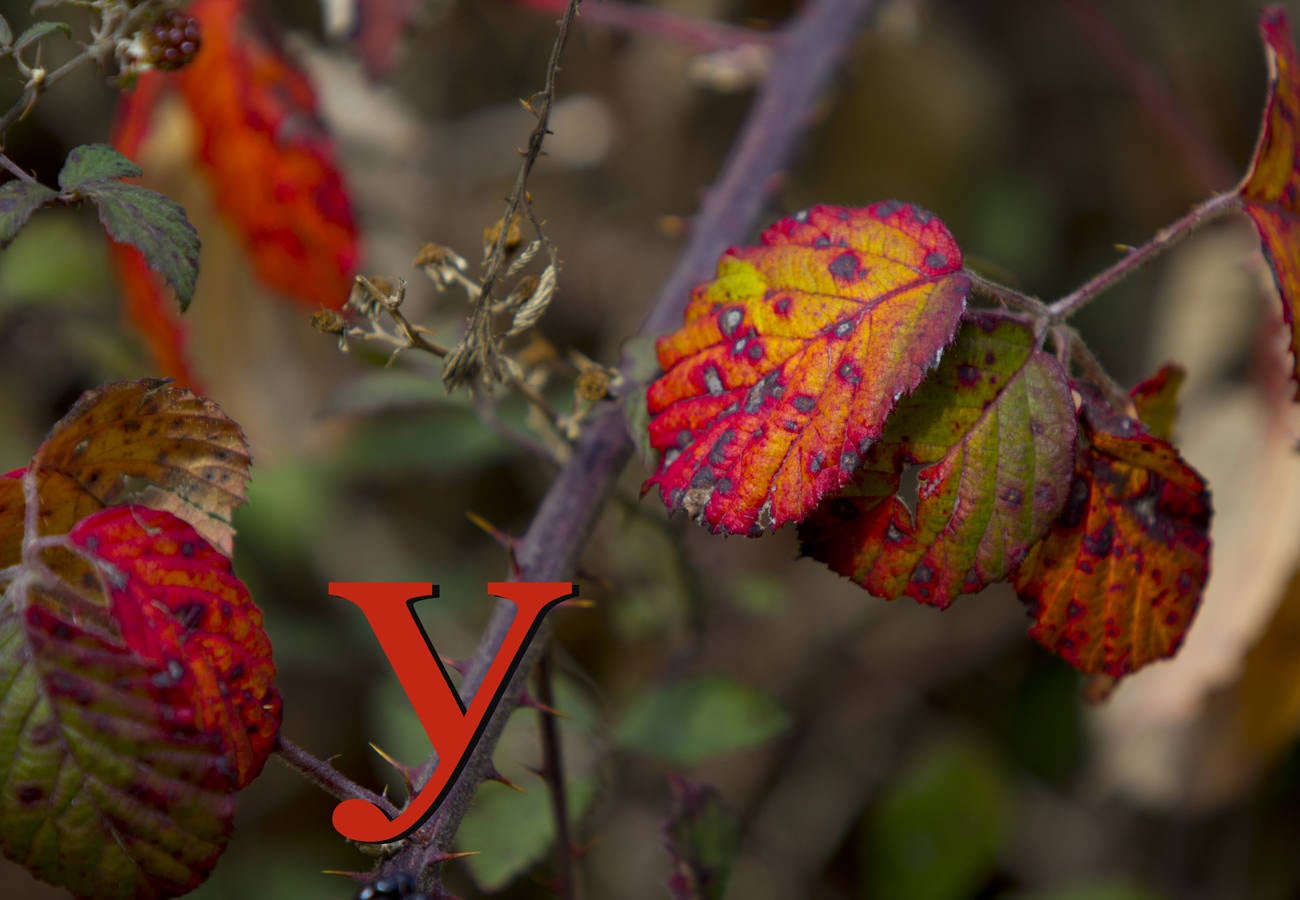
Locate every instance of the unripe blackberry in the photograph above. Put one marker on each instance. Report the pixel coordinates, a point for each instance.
(172, 39)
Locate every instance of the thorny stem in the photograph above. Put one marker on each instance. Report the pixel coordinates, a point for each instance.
(479, 333)
(1083, 357)
(807, 54)
(11, 166)
(1000, 293)
(34, 90)
(1139, 256)
(566, 885)
(702, 34)
(328, 778)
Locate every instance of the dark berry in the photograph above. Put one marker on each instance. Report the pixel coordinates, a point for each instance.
(172, 39)
(391, 887)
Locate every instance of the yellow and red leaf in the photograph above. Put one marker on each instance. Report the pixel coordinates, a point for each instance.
(1270, 192)
(1116, 583)
(791, 360)
(994, 429)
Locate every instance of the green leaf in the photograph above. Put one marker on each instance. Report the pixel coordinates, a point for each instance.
(694, 719)
(18, 200)
(703, 839)
(91, 162)
(40, 30)
(512, 831)
(6, 33)
(994, 429)
(937, 831)
(154, 225)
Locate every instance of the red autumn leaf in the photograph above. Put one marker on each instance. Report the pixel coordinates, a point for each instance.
(1270, 192)
(1156, 401)
(793, 357)
(269, 159)
(134, 442)
(994, 428)
(1116, 583)
(139, 698)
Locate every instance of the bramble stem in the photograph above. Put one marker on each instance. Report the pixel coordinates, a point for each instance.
(807, 54)
(566, 885)
(1137, 257)
(1000, 293)
(328, 778)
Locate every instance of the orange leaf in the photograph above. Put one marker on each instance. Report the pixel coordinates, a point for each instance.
(1271, 189)
(791, 360)
(134, 442)
(1116, 583)
(994, 428)
(269, 157)
(265, 151)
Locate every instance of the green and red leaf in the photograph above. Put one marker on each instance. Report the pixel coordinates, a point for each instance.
(134, 442)
(1116, 583)
(1270, 192)
(137, 698)
(791, 360)
(994, 430)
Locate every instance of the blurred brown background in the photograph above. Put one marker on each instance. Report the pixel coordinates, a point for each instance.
(919, 754)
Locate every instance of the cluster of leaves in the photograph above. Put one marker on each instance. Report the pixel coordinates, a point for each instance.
(139, 687)
(822, 367)
(134, 216)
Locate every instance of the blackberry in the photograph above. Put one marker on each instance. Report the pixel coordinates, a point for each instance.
(391, 887)
(172, 39)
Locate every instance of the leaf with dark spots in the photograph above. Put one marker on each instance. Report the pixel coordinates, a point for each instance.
(1116, 583)
(996, 446)
(119, 695)
(135, 442)
(831, 294)
(92, 163)
(1270, 192)
(18, 200)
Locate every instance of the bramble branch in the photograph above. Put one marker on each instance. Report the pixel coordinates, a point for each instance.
(1137, 257)
(807, 53)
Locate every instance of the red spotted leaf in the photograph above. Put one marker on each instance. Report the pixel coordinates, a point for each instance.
(994, 430)
(791, 360)
(265, 151)
(1116, 583)
(138, 698)
(1271, 190)
(134, 442)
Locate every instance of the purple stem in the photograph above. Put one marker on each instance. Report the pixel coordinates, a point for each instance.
(806, 55)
